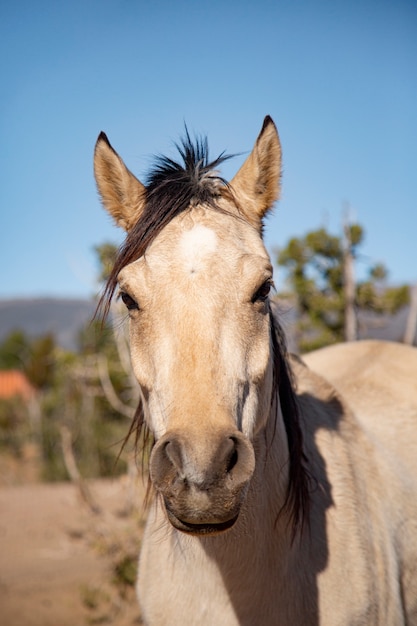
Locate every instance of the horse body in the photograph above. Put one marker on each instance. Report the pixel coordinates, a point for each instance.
(272, 507)
(379, 381)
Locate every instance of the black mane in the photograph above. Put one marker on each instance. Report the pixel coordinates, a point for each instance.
(297, 500)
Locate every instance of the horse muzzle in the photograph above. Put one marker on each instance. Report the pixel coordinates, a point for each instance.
(203, 482)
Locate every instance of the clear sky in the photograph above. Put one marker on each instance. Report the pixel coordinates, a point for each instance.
(339, 78)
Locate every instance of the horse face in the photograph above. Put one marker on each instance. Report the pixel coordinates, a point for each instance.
(201, 348)
(201, 352)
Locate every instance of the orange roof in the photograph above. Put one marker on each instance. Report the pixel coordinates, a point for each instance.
(15, 383)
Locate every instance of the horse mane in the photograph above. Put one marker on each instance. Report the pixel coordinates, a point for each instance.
(171, 188)
(297, 499)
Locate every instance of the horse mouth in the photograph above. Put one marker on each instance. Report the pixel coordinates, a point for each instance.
(211, 528)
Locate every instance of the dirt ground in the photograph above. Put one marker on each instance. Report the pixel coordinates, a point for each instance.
(57, 558)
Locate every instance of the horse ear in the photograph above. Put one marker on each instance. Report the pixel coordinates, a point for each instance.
(122, 194)
(257, 183)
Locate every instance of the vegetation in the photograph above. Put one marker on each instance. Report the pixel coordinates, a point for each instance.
(68, 394)
(119, 546)
(35, 358)
(72, 391)
(316, 269)
(14, 425)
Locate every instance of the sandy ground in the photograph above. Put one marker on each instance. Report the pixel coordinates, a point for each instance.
(55, 565)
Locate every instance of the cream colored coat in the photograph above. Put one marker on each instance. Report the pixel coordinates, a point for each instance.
(218, 548)
(358, 564)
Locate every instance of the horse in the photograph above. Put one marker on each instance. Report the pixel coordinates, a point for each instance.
(285, 488)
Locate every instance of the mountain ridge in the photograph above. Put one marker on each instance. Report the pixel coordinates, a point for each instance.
(62, 317)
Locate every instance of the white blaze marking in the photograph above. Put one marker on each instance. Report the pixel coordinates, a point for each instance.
(195, 245)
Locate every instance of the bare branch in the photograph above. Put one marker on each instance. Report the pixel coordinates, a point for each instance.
(73, 471)
(349, 284)
(109, 391)
(411, 328)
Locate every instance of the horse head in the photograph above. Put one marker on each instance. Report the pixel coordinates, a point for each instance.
(195, 278)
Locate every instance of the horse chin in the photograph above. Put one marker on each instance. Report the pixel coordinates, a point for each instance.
(210, 528)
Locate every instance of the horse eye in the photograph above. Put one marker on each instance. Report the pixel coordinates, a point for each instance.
(129, 302)
(263, 291)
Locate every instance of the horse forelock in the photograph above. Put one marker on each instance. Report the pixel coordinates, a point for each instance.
(171, 188)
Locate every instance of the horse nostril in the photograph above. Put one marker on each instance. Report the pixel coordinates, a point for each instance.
(232, 460)
(172, 451)
(238, 459)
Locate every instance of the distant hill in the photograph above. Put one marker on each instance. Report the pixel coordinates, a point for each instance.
(370, 325)
(388, 327)
(38, 316)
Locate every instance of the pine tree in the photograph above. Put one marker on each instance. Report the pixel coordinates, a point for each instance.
(316, 265)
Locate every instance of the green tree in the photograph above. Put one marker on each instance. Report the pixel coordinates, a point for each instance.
(15, 351)
(33, 357)
(40, 367)
(106, 255)
(315, 265)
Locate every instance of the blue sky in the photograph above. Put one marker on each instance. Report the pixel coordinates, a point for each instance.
(339, 79)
